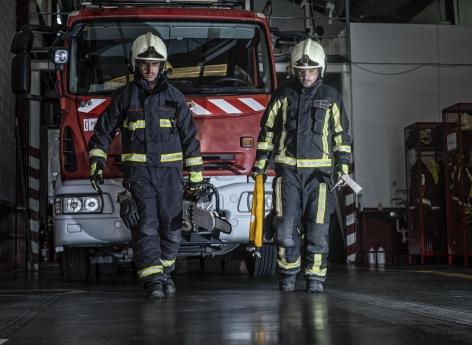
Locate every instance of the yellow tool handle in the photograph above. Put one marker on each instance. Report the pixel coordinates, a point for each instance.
(252, 222)
(259, 211)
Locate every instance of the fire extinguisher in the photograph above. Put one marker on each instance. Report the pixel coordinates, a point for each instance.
(371, 256)
(380, 256)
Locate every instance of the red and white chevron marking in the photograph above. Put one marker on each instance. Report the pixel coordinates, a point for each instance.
(230, 106)
(33, 204)
(201, 106)
(351, 231)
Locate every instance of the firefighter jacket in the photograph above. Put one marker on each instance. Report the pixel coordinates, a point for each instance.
(305, 129)
(156, 127)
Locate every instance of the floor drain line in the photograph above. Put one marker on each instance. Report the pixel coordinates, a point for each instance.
(438, 313)
(20, 314)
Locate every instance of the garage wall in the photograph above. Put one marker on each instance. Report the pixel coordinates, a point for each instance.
(7, 106)
(401, 74)
(8, 244)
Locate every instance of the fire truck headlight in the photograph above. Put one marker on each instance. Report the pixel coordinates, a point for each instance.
(80, 204)
(61, 56)
(91, 204)
(73, 205)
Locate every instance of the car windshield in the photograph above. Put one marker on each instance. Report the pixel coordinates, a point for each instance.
(203, 57)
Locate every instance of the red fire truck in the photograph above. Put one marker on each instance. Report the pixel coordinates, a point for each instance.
(221, 58)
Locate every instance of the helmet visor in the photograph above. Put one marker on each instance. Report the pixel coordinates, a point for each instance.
(150, 54)
(305, 63)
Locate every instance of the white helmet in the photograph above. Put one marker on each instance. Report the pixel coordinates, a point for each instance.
(148, 47)
(308, 54)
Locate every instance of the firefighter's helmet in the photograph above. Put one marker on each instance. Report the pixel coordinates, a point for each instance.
(308, 54)
(148, 47)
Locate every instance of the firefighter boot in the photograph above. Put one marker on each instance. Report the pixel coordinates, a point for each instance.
(168, 284)
(288, 282)
(155, 290)
(314, 286)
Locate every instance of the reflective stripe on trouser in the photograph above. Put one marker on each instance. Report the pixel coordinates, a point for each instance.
(157, 237)
(316, 250)
(168, 265)
(302, 196)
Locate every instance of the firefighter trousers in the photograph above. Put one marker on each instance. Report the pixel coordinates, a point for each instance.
(157, 237)
(303, 205)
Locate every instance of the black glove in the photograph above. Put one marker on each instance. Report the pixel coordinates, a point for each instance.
(195, 181)
(97, 165)
(258, 171)
(128, 209)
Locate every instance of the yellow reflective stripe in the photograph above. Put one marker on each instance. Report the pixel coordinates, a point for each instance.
(171, 157)
(165, 123)
(313, 163)
(337, 119)
(283, 136)
(342, 148)
(316, 267)
(286, 160)
(264, 146)
(324, 138)
(167, 263)
(149, 270)
(278, 197)
(272, 113)
(320, 214)
(338, 130)
(345, 168)
(193, 161)
(97, 153)
(140, 124)
(196, 176)
(133, 157)
(282, 261)
(261, 163)
(304, 163)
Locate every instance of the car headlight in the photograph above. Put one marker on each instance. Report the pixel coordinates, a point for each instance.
(77, 204)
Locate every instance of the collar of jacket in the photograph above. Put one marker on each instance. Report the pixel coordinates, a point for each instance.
(161, 83)
(310, 90)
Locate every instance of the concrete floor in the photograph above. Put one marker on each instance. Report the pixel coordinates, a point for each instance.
(415, 305)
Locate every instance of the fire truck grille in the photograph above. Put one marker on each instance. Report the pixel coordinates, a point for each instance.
(225, 161)
(70, 162)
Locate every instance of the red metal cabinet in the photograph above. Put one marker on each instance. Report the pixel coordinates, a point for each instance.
(458, 180)
(425, 189)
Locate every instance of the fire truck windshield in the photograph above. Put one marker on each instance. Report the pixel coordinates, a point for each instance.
(203, 57)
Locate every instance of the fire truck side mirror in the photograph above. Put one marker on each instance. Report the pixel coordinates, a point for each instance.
(21, 63)
(21, 74)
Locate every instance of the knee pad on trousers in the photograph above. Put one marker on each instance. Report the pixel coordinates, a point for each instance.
(317, 237)
(285, 228)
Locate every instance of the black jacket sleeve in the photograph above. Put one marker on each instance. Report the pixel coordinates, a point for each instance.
(269, 130)
(340, 135)
(107, 124)
(188, 137)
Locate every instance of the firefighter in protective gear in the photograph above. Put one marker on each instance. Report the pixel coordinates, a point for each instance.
(305, 129)
(158, 138)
